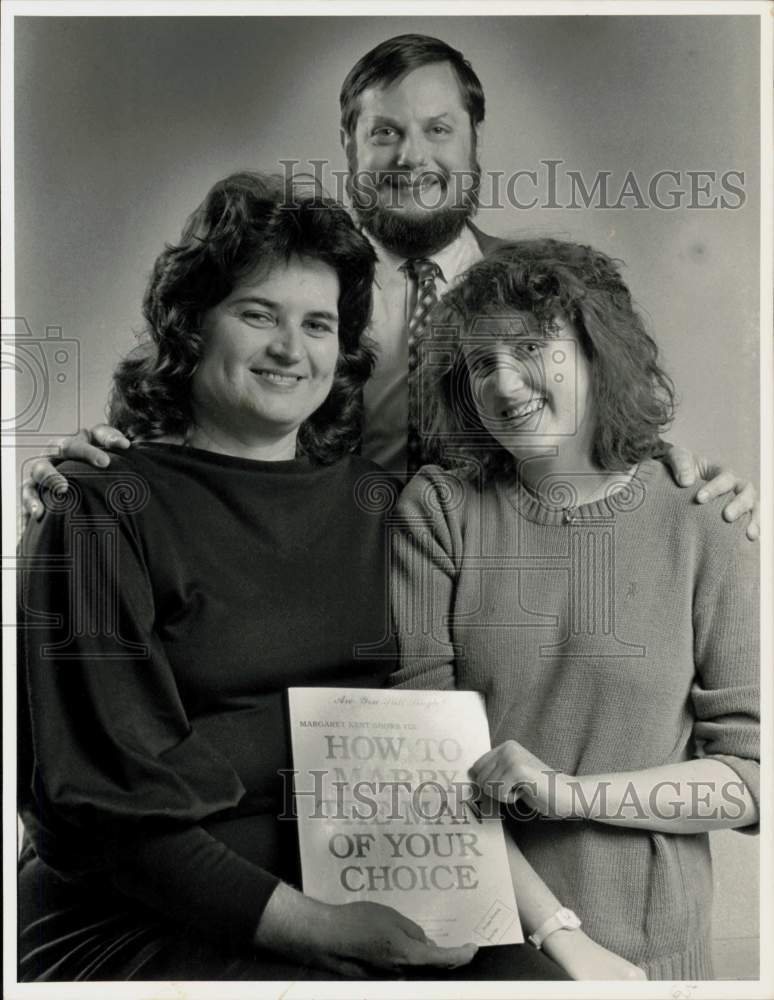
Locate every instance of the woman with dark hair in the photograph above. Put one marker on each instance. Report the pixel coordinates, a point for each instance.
(551, 563)
(245, 220)
(173, 599)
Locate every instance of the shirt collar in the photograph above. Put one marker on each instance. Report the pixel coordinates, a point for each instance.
(452, 259)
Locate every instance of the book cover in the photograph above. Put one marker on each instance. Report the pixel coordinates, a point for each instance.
(386, 812)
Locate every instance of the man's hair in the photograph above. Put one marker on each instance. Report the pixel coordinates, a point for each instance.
(248, 221)
(633, 397)
(396, 57)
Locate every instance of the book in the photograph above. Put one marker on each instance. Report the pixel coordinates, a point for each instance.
(386, 812)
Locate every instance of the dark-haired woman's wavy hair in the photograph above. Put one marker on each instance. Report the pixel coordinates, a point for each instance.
(247, 222)
(634, 398)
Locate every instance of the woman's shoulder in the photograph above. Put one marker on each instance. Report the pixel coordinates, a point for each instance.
(673, 510)
(437, 490)
(121, 487)
(356, 465)
(354, 472)
(143, 459)
(97, 479)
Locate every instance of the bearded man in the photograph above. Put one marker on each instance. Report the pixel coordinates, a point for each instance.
(412, 110)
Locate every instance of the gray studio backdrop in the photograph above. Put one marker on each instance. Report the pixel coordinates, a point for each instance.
(122, 124)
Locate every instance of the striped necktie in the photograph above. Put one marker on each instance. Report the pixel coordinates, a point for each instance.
(424, 272)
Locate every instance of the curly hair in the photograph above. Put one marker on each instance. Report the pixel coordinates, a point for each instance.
(633, 396)
(247, 221)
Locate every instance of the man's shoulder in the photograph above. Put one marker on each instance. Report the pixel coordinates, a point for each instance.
(486, 243)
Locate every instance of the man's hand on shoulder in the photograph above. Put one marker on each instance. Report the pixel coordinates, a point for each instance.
(85, 446)
(687, 468)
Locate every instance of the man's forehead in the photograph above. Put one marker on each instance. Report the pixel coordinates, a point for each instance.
(425, 92)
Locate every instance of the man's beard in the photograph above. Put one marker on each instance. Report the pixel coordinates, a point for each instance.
(410, 235)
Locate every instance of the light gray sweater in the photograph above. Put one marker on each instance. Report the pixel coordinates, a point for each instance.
(623, 637)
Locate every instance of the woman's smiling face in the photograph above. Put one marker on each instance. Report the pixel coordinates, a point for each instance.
(270, 352)
(532, 392)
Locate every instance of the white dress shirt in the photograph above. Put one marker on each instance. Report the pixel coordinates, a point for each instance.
(386, 393)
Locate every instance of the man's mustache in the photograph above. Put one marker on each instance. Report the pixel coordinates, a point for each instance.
(403, 180)
(370, 188)
(377, 184)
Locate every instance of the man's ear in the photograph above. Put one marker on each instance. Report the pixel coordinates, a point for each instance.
(343, 137)
(478, 132)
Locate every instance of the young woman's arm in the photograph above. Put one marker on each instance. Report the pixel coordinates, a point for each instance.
(718, 788)
(423, 546)
(573, 950)
(694, 796)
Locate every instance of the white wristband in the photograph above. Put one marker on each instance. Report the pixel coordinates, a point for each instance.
(563, 920)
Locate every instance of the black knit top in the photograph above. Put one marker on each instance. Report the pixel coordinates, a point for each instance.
(168, 604)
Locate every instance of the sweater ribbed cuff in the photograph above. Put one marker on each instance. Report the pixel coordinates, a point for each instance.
(689, 965)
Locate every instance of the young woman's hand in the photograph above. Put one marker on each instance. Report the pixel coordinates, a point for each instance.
(510, 773)
(582, 958)
(352, 939)
(85, 446)
(687, 468)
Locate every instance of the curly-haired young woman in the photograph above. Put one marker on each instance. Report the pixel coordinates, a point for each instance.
(549, 561)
